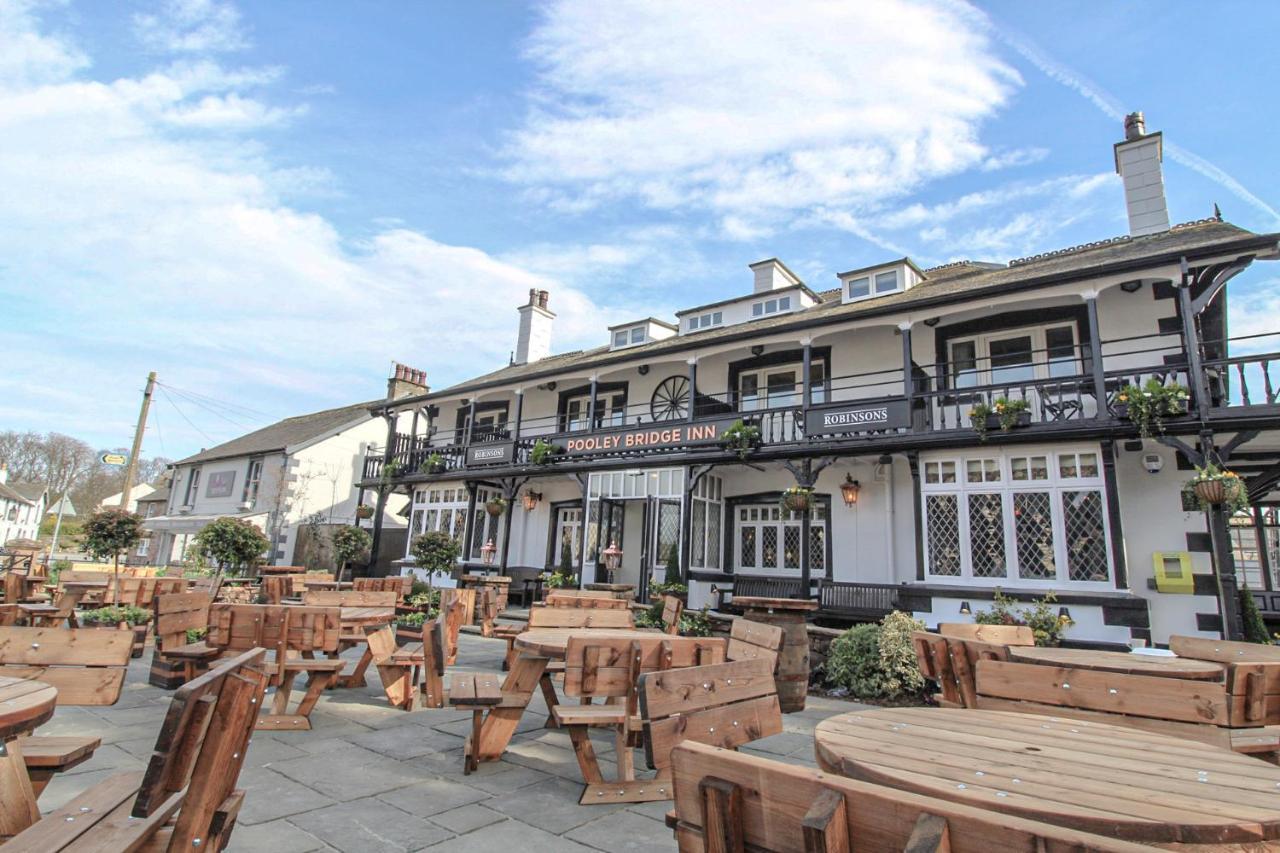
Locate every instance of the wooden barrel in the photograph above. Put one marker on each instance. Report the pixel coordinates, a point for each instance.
(792, 674)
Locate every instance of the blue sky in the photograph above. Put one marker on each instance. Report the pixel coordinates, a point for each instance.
(267, 203)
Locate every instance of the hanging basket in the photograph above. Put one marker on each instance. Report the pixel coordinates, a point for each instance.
(364, 511)
(796, 501)
(1215, 492)
(495, 508)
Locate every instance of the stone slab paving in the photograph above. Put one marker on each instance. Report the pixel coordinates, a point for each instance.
(371, 778)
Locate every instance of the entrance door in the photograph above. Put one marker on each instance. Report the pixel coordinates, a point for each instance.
(610, 528)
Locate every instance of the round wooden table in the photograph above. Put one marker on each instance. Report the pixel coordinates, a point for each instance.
(1115, 781)
(553, 642)
(24, 704)
(1164, 667)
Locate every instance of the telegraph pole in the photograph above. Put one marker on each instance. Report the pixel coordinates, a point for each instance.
(131, 467)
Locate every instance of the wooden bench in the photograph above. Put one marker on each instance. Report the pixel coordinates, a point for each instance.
(94, 597)
(142, 591)
(580, 617)
(672, 610)
(286, 631)
(10, 614)
(402, 585)
(1240, 711)
(601, 600)
(63, 610)
(186, 799)
(728, 801)
(350, 598)
(275, 588)
(610, 669)
(750, 640)
(86, 665)
(950, 656)
(177, 613)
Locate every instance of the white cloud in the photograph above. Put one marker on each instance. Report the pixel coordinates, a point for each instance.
(191, 26)
(754, 110)
(136, 237)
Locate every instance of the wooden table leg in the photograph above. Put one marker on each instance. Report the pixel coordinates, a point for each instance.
(549, 696)
(18, 808)
(355, 678)
(500, 724)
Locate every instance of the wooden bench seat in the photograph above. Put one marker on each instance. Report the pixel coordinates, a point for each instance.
(86, 665)
(175, 661)
(46, 755)
(186, 799)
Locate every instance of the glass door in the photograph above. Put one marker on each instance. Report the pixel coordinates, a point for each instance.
(610, 526)
(1012, 359)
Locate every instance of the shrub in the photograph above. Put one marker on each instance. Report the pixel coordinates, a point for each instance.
(349, 543)
(115, 615)
(411, 620)
(195, 635)
(435, 551)
(694, 624)
(1044, 623)
(1255, 629)
(428, 598)
(231, 543)
(877, 661)
(110, 532)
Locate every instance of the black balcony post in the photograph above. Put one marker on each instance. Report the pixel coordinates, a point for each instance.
(1224, 563)
(1114, 521)
(1191, 345)
(1095, 355)
(693, 388)
(515, 429)
(470, 425)
(908, 373)
(1264, 554)
(806, 365)
(383, 489)
(591, 406)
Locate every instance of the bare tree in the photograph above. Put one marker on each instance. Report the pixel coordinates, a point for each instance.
(66, 461)
(23, 452)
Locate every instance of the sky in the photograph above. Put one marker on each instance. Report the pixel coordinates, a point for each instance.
(268, 203)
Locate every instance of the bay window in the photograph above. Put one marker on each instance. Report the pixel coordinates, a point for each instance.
(1017, 518)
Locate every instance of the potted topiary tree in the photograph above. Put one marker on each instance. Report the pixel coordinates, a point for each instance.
(109, 533)
(349, 543)
(435, 552)
(231, 544)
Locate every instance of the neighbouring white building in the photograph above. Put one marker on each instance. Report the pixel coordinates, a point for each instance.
(21, 508)
(278, 478)
(137, 493)
(865, 391)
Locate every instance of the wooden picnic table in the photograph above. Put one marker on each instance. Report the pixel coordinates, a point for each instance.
(1133, 664)
(327, 584)
(553, 642)
(1120, 782)
(354, 620)
(24, 704)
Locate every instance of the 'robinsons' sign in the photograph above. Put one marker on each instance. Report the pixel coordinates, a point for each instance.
(858, 417)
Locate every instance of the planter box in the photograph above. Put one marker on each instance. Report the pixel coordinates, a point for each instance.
(1121, 411)
(994, 425)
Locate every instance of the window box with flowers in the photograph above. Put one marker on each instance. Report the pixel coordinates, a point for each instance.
(1002, 414)
(1215, 486)
(742, 438)
(1147, 406)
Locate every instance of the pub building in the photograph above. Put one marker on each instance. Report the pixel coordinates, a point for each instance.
(872, 394)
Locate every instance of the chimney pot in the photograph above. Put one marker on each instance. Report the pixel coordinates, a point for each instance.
(534, 340)
(1135, 126)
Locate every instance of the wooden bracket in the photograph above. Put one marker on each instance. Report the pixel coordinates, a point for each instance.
(806, 473)
(722, 829)
(931, 835)
(826, 824)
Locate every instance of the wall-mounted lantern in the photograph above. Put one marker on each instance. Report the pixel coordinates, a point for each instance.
(530, 499)
(487, 551)
(849, 490)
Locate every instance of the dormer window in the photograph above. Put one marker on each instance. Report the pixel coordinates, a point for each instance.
(634, 334)
(868, 282)
(765, 307)
(704, 321)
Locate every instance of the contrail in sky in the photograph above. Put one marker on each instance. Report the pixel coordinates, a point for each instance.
(1109, 105)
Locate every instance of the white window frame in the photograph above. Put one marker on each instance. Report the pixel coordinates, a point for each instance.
(193, 487)
(771, 306)
(252, 480)
(567, 518)
(706, 320)
(764, 401)
(442, 507)
(611, 410)
(623, 338)
(144, 547)
(1055, 484)
(770, 515)
(1040, 363)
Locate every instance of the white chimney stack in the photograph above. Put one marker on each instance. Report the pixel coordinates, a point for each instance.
(534, 342)
(772, 274)
(1138, 163)
(4, 472)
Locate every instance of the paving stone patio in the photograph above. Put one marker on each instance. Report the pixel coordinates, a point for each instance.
(371, 778)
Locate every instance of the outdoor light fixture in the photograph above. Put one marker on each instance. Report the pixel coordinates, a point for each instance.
(1064, 613)
(849, 489)
(487, 551)
(964, 609)
(530, 499)
(1131, 286)
(757, 349)
(612, 557)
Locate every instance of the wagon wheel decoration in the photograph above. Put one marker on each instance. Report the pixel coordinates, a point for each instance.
(670, 399)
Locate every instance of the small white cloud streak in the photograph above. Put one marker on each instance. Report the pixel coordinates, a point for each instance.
(191, 26)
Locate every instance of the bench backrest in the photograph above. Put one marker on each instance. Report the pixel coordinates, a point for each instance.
(453, 615)
(178, 612)
(9, 614)
(401, 585)
(728, 801)
(1004, 635)
(579, 617)
(1222, 651)
(141, 591)
(350, 598)
(754, 641)
(560, 599)
(1249, 695)
(211, 585)
(725, 705)
(569, 592)
(275, 588)
(466, 597)
(87, 665)
(201, 749)
(672, 610)
(67, 601)
(276, 627)
(610, 667)
(952, 663)
(15, 586)
(435, 648)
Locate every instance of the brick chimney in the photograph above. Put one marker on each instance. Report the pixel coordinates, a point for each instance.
(405, 381)
(534, 342)
(1138, 163)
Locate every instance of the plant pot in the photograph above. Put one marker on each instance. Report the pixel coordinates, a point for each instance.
(1214, 492)
(796, 502)
(1121, 411)
(494, 509)
(364, 512)
(993, 421)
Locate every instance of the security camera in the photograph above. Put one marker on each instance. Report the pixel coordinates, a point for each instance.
(1153, 462)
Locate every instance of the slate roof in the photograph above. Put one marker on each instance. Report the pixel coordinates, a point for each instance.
(160, 494)
(948, 283)
(12, 494)
(283, 434)
(31, 492)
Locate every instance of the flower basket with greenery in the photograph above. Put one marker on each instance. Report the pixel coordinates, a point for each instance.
(1216, 486)
(1046, 625)
(1149, 404)
(364, 511)
(741, 438)
(796, 499)
(496, 506)
(390, 470)
(544, 452)
(426, 601)
(877, 662)
(1003, 414)
(435, 551)
(433, 464)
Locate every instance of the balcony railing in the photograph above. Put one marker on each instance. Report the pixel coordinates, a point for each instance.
(1059, 387)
